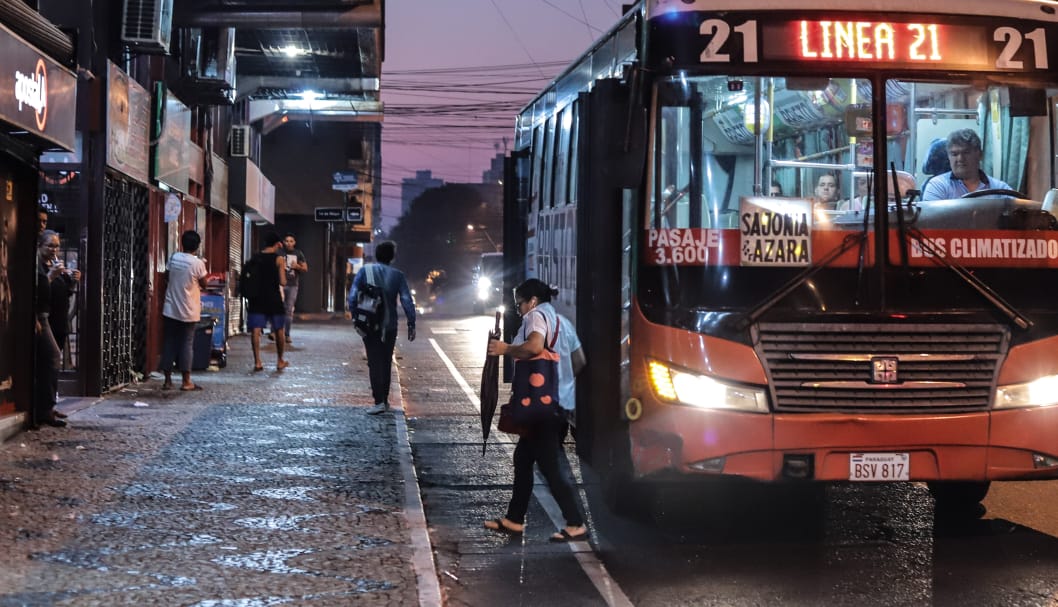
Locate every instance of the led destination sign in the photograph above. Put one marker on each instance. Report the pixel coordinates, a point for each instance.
(741, 38)
(920, 44)
(867, 41)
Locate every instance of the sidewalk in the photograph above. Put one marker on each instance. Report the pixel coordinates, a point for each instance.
(268, 488)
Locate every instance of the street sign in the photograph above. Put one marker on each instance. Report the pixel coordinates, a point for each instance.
(328, 213)
(344, 181)
(354, 213)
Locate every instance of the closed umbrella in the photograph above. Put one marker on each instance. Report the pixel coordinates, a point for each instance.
(490, 387)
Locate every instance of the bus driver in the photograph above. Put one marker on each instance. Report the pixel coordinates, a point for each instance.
(964, 153)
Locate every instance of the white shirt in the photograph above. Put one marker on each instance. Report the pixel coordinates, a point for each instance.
(183, 297)
(566, 344)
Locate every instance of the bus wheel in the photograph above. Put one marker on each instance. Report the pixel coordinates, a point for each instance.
(958, 496)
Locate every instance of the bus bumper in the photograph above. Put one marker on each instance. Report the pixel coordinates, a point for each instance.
(1004, 445)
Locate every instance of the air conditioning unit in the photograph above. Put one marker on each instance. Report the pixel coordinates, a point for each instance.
(147, 25)
(207, 63)
(240, 141)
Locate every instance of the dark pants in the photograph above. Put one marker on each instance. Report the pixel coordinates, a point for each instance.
(46, 378)
(544, 448)
(177, 341)
(380, 363)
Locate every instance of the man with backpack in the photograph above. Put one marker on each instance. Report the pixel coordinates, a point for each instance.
(372, 305)
(261, 283)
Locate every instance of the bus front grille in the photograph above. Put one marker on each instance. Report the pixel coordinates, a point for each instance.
(883, 368)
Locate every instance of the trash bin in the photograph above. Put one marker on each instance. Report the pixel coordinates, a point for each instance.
(202, 347)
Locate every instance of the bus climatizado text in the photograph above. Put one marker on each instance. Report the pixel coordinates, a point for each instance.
(678, 181)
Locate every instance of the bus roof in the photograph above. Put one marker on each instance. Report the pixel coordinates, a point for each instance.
(616, 48)
(1043, 10)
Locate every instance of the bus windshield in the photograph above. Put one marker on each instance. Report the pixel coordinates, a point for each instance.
(770, 174)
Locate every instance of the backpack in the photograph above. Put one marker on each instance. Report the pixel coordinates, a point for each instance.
(370, 309)
(250, 279)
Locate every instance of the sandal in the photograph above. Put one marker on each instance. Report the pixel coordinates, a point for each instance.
(498, 526)
(564, 536)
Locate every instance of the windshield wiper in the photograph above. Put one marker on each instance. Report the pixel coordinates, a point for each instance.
(978, 285)
(941, 258)
(849, 241)
(861, 262)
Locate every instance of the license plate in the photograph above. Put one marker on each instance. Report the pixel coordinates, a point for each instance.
(879, 466)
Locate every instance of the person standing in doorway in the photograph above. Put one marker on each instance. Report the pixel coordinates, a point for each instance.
(182, 310)
(266, 306)
(63, 289)
(48, 358)
(379, 346)
(296, 266)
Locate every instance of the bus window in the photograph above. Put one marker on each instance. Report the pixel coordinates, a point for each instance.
(975, 141)
(705, 145)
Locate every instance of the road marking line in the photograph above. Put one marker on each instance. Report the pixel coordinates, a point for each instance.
(584, 553)
(455, 375)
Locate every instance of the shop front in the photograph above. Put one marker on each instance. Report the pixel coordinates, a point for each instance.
(37, 114)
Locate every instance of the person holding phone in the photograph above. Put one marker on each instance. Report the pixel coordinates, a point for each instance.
(63, 288)
(296, 266)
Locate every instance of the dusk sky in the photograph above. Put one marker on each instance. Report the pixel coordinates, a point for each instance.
(456, 72)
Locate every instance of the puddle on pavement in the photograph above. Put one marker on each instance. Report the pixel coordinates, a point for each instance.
(155, 490)
(126, 520)
(309, 451)
(314, 436)
(318, 423)
(277, 523)
(307, 471)
(288, 493)
(272, 561)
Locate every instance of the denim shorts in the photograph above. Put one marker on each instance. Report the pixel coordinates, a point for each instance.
(256, 320)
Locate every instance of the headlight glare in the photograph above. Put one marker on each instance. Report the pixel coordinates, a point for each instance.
(1038, 393)
(702, 391)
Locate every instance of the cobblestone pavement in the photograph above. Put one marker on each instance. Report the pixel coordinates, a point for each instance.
(268, 488)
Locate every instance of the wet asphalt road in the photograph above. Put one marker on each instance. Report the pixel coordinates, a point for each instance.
(847, 545)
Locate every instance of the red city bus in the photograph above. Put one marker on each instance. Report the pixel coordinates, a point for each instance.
(813, 244)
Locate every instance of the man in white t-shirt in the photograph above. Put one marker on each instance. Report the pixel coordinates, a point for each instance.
(182, 310)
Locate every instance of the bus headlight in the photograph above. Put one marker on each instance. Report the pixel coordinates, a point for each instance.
(702, 391)
(1038, 393)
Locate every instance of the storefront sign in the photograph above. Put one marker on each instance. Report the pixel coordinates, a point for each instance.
(36, 93)
(128, 125)
(172, 132)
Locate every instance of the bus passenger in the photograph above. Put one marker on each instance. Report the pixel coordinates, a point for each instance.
(827, 191)
(965, 176)
(775, 189)
(541, 444)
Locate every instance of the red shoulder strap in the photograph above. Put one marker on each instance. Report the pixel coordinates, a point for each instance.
(555, 337)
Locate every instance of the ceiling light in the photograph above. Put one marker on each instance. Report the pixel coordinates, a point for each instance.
(292, 51)
(309, 95)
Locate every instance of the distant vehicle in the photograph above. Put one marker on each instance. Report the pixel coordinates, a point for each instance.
(488, 282)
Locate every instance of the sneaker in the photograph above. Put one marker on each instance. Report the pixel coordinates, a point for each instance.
(378, 409)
